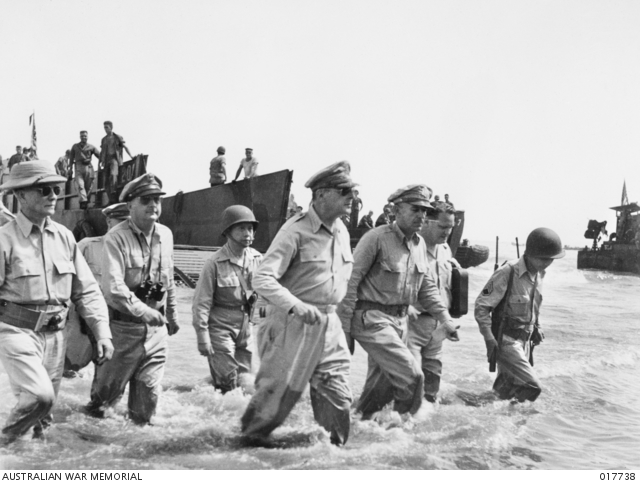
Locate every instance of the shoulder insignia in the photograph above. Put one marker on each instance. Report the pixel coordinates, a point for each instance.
(488, 289)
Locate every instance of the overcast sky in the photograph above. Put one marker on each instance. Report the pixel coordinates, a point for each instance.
(526, 113)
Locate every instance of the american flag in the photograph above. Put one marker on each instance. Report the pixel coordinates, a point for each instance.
(34, 137)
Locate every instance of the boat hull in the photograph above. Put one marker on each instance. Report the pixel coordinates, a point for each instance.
(611, 257)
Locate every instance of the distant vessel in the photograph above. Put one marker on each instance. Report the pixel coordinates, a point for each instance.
(621, 253)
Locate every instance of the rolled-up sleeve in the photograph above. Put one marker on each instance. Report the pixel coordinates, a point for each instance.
(364, 257)
(275, 263)
(86, 295)
(203, 301)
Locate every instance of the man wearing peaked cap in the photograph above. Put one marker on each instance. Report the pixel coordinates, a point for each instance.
(304, 276)
(249, 164)
(138, 285)
(144, 185)
(389, 274)
(80, 341)
(33, 310)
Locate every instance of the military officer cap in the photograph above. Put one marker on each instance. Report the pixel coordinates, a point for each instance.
(414, 194)
(32, 173)
(337, 175)
(147, 184)
(248, 149)
(117, 210)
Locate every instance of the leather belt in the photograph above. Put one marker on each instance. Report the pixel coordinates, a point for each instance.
(241, 307)
(517, 333)
(397, 310)
(36, 317)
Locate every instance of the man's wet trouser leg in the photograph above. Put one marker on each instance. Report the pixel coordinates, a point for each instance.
(427, 351)
(34, 364)
(231, 353)
(293, 354)
(516, 377)
(111, 377)
(393, 372)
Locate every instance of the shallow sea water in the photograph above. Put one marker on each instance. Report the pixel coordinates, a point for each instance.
(588, 416)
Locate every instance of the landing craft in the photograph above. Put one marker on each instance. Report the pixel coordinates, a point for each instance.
(621, 253)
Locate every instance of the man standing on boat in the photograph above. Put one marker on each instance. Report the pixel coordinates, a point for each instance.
(507, 312)
(41, 271)
(425, 343)
(304, 276)
(390, 273)
(138, 284)
(218, 168)
(111, 158)
(249, 164)
(80, 158)
(18, 157)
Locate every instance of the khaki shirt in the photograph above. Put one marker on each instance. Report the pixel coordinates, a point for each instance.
(91, 248)
(391, 270)
(306, 262)
(126, 262)
(520, 307)
(48, 268)
(219, 284)
(439, 260)
(81, 155)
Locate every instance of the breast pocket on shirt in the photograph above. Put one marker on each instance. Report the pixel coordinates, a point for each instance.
(519, 305)
(392, 275)
(134, 272)
(228, 280)
(65, 271)
(313, 254)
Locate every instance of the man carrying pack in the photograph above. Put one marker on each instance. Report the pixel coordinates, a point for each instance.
(304, 276)
(41, 271)
(390, 273)
(507, 312)
(138, 284)
(425, 343)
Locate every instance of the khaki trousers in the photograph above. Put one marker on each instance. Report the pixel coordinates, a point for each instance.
(516, 377)
(393, 374)
(294, 354)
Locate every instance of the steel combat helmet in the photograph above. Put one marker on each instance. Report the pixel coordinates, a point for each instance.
(544, 243)
(236, 214)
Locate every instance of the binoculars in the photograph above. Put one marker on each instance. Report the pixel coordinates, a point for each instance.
(150, 290)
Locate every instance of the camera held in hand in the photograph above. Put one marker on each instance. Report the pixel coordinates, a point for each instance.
(151, 290)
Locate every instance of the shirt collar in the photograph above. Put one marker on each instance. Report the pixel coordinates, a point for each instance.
(522, 270)
(139, 232)
(415, 238)
(315, 221)
(227, 254)
(26, 225)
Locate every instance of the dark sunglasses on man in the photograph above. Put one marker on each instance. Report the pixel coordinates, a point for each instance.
(146, 200)
(46, 190)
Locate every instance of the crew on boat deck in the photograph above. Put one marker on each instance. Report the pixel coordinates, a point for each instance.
(41, 271)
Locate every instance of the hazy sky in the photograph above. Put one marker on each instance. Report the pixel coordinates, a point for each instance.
(526, 113)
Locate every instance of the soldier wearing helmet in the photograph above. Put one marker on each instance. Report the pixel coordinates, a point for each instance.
(217, 168)
(512, 298)
(224, 300)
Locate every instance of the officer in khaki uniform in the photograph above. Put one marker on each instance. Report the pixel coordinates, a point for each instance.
(303, 277)
(137, 282)
(224, 300)
(513, 295)
(390, 273)
(41, 271)
(426, 334)
(80, 340)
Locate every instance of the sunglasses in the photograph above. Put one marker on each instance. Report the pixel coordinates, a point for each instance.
(343, 191)
(146, 200)
(46, 190)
